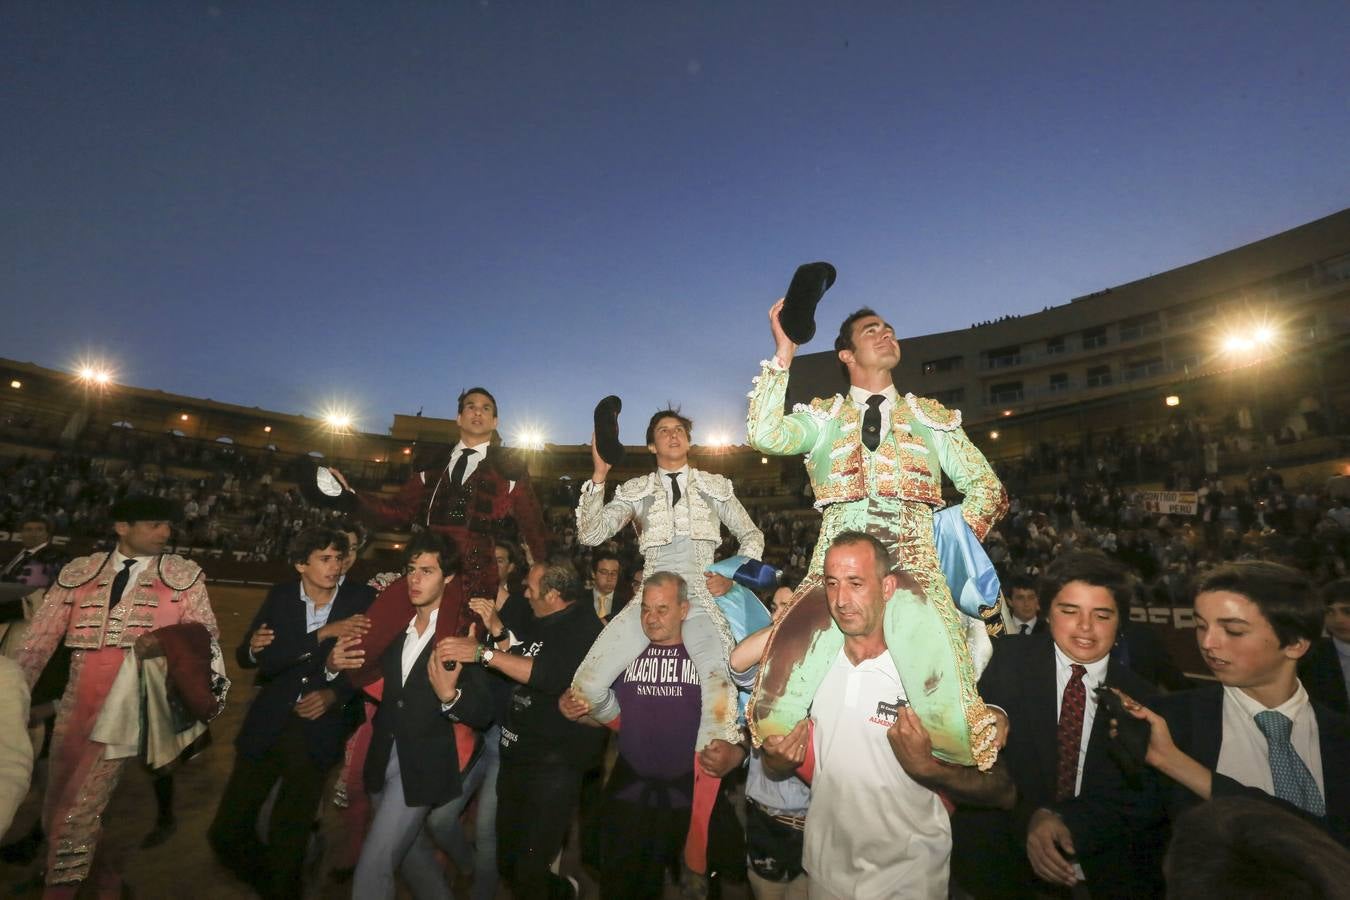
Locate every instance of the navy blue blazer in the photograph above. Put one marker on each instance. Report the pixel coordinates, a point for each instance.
(1195, 719)
(292, 665)
(989, 857)
(410, 719)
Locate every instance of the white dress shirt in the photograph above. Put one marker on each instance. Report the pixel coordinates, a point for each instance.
(414, 644)
(1095, 677)
(861, 396)
(471, 463)
(1244, 752)
(1017, 627)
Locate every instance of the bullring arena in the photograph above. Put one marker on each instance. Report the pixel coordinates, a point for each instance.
(1190, 417)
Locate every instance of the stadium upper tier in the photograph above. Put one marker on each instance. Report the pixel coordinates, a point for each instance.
(1275, 311)
(1250, 342)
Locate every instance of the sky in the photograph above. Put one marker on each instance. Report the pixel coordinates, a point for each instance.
(374, 205)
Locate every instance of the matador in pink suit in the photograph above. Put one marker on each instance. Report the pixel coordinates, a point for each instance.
(101, 607)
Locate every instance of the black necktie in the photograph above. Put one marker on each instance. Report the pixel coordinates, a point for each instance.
(872, 422)
(1026, 629)
(674, 488)
(120, 583)
(457, 473)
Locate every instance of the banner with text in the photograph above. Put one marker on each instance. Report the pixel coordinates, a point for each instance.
(1172, 503)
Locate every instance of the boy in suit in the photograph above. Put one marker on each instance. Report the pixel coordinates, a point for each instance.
(413, 764)
(1256, 732)
(1325, 668)
(1057, 744)
(295, 728)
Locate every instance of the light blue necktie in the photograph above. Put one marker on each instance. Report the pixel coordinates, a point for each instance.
(1293, 781)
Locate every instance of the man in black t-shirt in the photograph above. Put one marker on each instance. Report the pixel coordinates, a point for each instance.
(543, 754)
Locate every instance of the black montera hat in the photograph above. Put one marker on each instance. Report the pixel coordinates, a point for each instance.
(809, 284)
(146, 508)
(607, 430)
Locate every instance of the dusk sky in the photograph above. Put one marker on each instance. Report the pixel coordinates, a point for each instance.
(286, 205)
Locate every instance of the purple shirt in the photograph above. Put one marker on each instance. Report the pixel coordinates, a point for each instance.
(661, 702)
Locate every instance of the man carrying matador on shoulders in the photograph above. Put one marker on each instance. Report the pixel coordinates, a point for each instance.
(876, 458)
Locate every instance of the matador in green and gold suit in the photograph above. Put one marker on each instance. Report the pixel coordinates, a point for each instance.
(891, 492)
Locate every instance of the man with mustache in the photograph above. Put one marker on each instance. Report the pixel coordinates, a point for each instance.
(876, 460)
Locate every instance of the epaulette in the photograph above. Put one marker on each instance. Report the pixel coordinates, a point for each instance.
(178, 573)
(934, 414)
(636, 488)
(82, 571)
(718, 487)
(822, 408)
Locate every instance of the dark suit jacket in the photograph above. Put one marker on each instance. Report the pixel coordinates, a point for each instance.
(293, 665)
(1195, 719)
(989, 857)
(1320, 672)
(410, 718)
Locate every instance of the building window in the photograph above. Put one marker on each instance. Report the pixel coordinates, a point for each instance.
(1185, 316)
(1056, 345)
(1094, 338)
(1059, 381)
(946, 364)
(1008, 392)
(1138, 327)
(952, 397)
(1098, 376)
(1337, 269)
(1002, 357)
(1143, 368)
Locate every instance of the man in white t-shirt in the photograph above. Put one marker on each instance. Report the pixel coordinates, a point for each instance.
(877, 826)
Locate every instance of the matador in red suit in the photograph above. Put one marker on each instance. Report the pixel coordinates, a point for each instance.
(472, 498)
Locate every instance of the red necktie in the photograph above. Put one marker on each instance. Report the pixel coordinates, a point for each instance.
(1070, 733)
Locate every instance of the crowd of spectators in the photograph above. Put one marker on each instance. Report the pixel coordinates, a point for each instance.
(232, 507)
(229, 507)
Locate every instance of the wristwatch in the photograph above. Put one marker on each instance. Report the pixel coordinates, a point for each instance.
(488, 653)
(500, 636)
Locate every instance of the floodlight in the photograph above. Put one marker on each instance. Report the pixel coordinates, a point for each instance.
(530, 439)
(94, 372)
